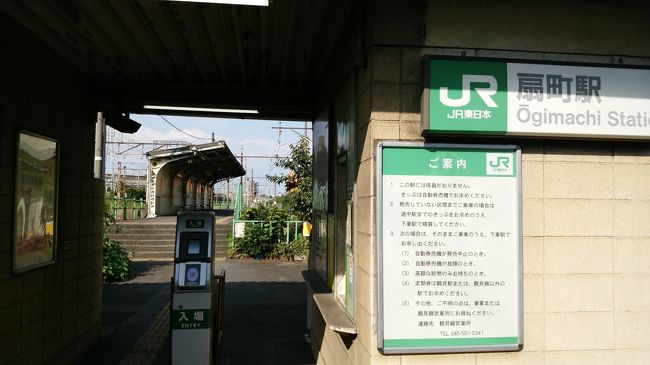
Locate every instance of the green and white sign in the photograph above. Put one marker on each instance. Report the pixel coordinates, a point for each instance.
(448, 248)
(527, 99)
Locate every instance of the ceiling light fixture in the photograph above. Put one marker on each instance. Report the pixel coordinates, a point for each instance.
(206, 110)
(231, 2)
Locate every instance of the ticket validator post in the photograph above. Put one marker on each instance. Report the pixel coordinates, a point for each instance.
(192, 296)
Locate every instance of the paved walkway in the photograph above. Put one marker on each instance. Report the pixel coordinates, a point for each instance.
(265, 316)
(129, 309)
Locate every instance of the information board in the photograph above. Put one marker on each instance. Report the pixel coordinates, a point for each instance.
(449, 241)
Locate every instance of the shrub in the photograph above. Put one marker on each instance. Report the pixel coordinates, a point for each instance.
(256, 242)
(265, 239)
(289, 251)
(116, 264)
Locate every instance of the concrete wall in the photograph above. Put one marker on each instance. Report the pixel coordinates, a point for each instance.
(586, 205)
(50, 314)
(574, 26)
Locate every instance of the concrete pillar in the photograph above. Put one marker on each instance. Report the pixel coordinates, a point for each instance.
(165, 199)
(208, 197)
(151, 192)
(169, 202)
(190, 195)
(163, 193)
(198, 196)
(178, 194)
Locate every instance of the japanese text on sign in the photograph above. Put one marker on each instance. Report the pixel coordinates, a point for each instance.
(450, 249)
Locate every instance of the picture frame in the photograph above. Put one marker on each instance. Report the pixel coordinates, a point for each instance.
(36, 201)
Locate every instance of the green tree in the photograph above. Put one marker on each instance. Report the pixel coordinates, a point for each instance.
(137, 193)
(298, 181)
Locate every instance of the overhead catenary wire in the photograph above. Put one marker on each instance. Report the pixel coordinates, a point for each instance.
(182, 131)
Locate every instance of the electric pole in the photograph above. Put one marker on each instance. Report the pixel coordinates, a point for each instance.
(241, 178)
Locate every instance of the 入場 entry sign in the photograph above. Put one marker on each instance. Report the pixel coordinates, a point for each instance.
(448, 248)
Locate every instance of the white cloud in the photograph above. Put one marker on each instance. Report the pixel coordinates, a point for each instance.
(260, 146)
(147, 134)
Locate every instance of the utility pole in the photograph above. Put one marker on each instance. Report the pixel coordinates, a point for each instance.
(295, 130)
(118, 188)
(228, 193)
(241, 181)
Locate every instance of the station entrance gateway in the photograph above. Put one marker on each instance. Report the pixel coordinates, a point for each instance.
(570, 91)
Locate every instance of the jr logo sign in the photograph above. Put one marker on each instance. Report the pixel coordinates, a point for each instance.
(466, 96)
(484, 93)
(499, 164)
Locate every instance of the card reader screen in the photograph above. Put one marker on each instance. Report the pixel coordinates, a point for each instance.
(193, 247)
(192, 274)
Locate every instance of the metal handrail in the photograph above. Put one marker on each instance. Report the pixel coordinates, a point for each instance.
(287, 226)
(136, 206)
(217, 335)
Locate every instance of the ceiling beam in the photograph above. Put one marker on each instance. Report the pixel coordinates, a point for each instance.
(18, 12)
(239, 43)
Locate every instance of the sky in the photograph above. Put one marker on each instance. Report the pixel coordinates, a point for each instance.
(256, 137)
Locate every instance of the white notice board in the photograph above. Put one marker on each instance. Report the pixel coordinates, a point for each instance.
(449, 248)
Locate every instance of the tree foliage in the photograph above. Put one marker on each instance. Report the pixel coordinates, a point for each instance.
(298, 181)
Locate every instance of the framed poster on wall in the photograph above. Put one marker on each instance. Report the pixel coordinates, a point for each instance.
(449, 253)
(35, 209)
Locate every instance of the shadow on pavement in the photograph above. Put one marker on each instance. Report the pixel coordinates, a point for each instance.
(128, 309)
(264, 316)
(147, 268)
(265, 323)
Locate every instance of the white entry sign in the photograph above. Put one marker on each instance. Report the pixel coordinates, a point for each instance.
(449, 248)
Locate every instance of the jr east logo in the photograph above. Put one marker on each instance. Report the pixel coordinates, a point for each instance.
(499, 164)
(484, 93)
(467, 96)
(485, 87)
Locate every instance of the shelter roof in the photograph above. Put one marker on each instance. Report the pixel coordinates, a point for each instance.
(207, 163)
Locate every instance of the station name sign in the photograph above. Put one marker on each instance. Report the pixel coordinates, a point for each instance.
(525, 99)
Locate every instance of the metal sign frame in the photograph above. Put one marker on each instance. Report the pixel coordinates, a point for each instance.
(498, 106)
(476, 346)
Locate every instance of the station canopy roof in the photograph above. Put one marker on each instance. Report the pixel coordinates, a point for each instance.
(207, 163)
(138, 53)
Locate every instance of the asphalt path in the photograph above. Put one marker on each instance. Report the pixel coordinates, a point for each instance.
(265, 315)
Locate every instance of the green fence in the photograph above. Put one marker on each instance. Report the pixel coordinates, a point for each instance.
(127, 208)
(223, 205)
(289, 230)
